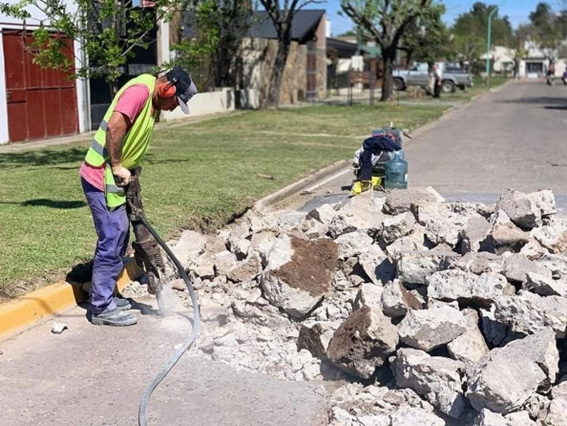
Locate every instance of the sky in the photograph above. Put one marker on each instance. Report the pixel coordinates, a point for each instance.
(518, 11)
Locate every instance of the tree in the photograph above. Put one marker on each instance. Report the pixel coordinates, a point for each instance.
(386, 21)
(546, 29)
(108, 31)
(282, 16)
(427, 38)
(470, 32)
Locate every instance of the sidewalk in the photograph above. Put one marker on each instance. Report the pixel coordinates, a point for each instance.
(46, 143)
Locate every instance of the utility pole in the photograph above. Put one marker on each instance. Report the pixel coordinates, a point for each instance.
(488, 35)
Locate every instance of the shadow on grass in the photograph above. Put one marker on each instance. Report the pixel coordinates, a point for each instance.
(44, 157)
(80, 273)
(54, 204)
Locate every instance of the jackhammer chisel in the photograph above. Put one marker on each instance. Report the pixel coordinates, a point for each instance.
(148, 257)
(146, 249)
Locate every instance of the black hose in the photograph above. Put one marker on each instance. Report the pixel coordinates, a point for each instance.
(142, 421)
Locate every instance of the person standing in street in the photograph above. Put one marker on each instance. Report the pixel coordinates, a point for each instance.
(119, 146)
(438, 81)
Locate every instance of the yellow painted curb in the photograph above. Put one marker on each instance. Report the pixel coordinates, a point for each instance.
(27, 310)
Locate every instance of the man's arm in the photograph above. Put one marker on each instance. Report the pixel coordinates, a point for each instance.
(118, 126)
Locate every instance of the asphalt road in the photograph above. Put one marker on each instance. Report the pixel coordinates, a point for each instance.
(514, 137)
(94, 376)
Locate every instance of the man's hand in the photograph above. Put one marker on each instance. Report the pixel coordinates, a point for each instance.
(122, 175)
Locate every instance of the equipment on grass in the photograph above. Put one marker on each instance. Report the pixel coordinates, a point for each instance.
(148, 256)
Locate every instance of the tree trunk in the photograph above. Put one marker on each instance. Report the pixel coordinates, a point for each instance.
(278, 71)
(388, 58)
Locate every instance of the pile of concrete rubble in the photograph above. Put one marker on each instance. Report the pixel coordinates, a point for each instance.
(412, 310)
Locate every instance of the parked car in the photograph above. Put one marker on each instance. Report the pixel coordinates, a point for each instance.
(418, 75)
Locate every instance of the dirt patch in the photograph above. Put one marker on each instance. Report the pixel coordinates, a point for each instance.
(312, 265)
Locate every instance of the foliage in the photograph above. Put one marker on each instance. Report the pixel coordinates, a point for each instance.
(386, 21)
(470, 31)
(107, 30)
(546, 29)
(427, 38)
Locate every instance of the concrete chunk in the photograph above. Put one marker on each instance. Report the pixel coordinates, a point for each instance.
(401, 201)
(454, 284)
(522, 209)
(431, 328)
(506, 377)
(396, 300)
(415, 266)
(363, 342)
(397, 227)
(470, 346)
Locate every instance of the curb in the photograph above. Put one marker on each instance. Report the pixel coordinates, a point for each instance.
(28, 310)
(262, 204)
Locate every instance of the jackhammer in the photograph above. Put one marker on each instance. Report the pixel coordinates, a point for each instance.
(149, 259)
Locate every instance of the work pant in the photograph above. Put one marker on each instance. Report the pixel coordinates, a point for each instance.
(112, 228)
(437, 92)
(371, 146)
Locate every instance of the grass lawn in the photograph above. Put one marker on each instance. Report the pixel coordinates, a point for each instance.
(198, 176)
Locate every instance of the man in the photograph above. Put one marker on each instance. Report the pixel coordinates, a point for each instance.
(118, 147)
(438, 76)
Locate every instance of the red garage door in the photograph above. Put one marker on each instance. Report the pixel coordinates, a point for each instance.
(41, 103)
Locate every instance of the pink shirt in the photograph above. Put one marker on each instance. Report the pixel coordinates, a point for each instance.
(130, 104)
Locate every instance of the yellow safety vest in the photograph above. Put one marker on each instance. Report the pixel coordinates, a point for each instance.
(134, 147)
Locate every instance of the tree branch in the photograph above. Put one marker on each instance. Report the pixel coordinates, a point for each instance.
(361, 20)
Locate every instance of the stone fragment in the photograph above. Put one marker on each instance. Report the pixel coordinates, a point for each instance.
(475, 232)
(396, 300)
(477, 263)
(224, 261)
(353, 244)
(179, 285)
(189, 246)
(556, 263)
(299, 273)
(401, 201)
(415, 241)
(203, 266)
(520, 418)
(315, 339)
(363, 342)
(213, 312)
(437, 379)
(441, 224)
(377, 265)
(262, 243)
(506, 377)
(533, 250)
(247, 270)
(553, 237)
(554, 414)
(407, 415)
(522, 209)
(507, 238)
(528, 312)
(415, 266)
(214, 244)
(544, 201)
(455, 284)
(58, 327)
(470, 346)
(323, 214)
(369, 295)
(397, 227)
(545, 285)
(499, 217)
(314, 229)
(239, 231)
(517, 266)
(431, 328)
(241, 248)
(489, 418)
(360, 213)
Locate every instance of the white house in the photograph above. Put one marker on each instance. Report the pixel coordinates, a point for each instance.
(36, 103)
(502, 59)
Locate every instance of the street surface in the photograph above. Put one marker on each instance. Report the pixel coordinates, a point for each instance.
(96, 375)
(514, 138)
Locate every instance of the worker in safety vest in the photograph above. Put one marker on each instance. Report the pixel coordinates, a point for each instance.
(119, 145)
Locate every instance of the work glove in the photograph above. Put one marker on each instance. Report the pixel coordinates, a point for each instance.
(122, 175)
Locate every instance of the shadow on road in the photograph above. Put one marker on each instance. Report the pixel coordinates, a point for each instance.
(544, 100)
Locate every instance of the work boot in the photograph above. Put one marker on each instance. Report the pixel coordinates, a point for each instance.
(115, 317)
(122, 304)
(361, 186)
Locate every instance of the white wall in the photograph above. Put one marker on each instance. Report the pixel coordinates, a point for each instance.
(204, 104)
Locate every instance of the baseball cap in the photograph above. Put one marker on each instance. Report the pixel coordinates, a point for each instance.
(185, 89)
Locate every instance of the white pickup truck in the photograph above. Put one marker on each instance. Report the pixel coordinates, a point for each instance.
(418, 75)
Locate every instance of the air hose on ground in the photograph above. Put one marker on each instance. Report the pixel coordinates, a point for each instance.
(142, 421)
